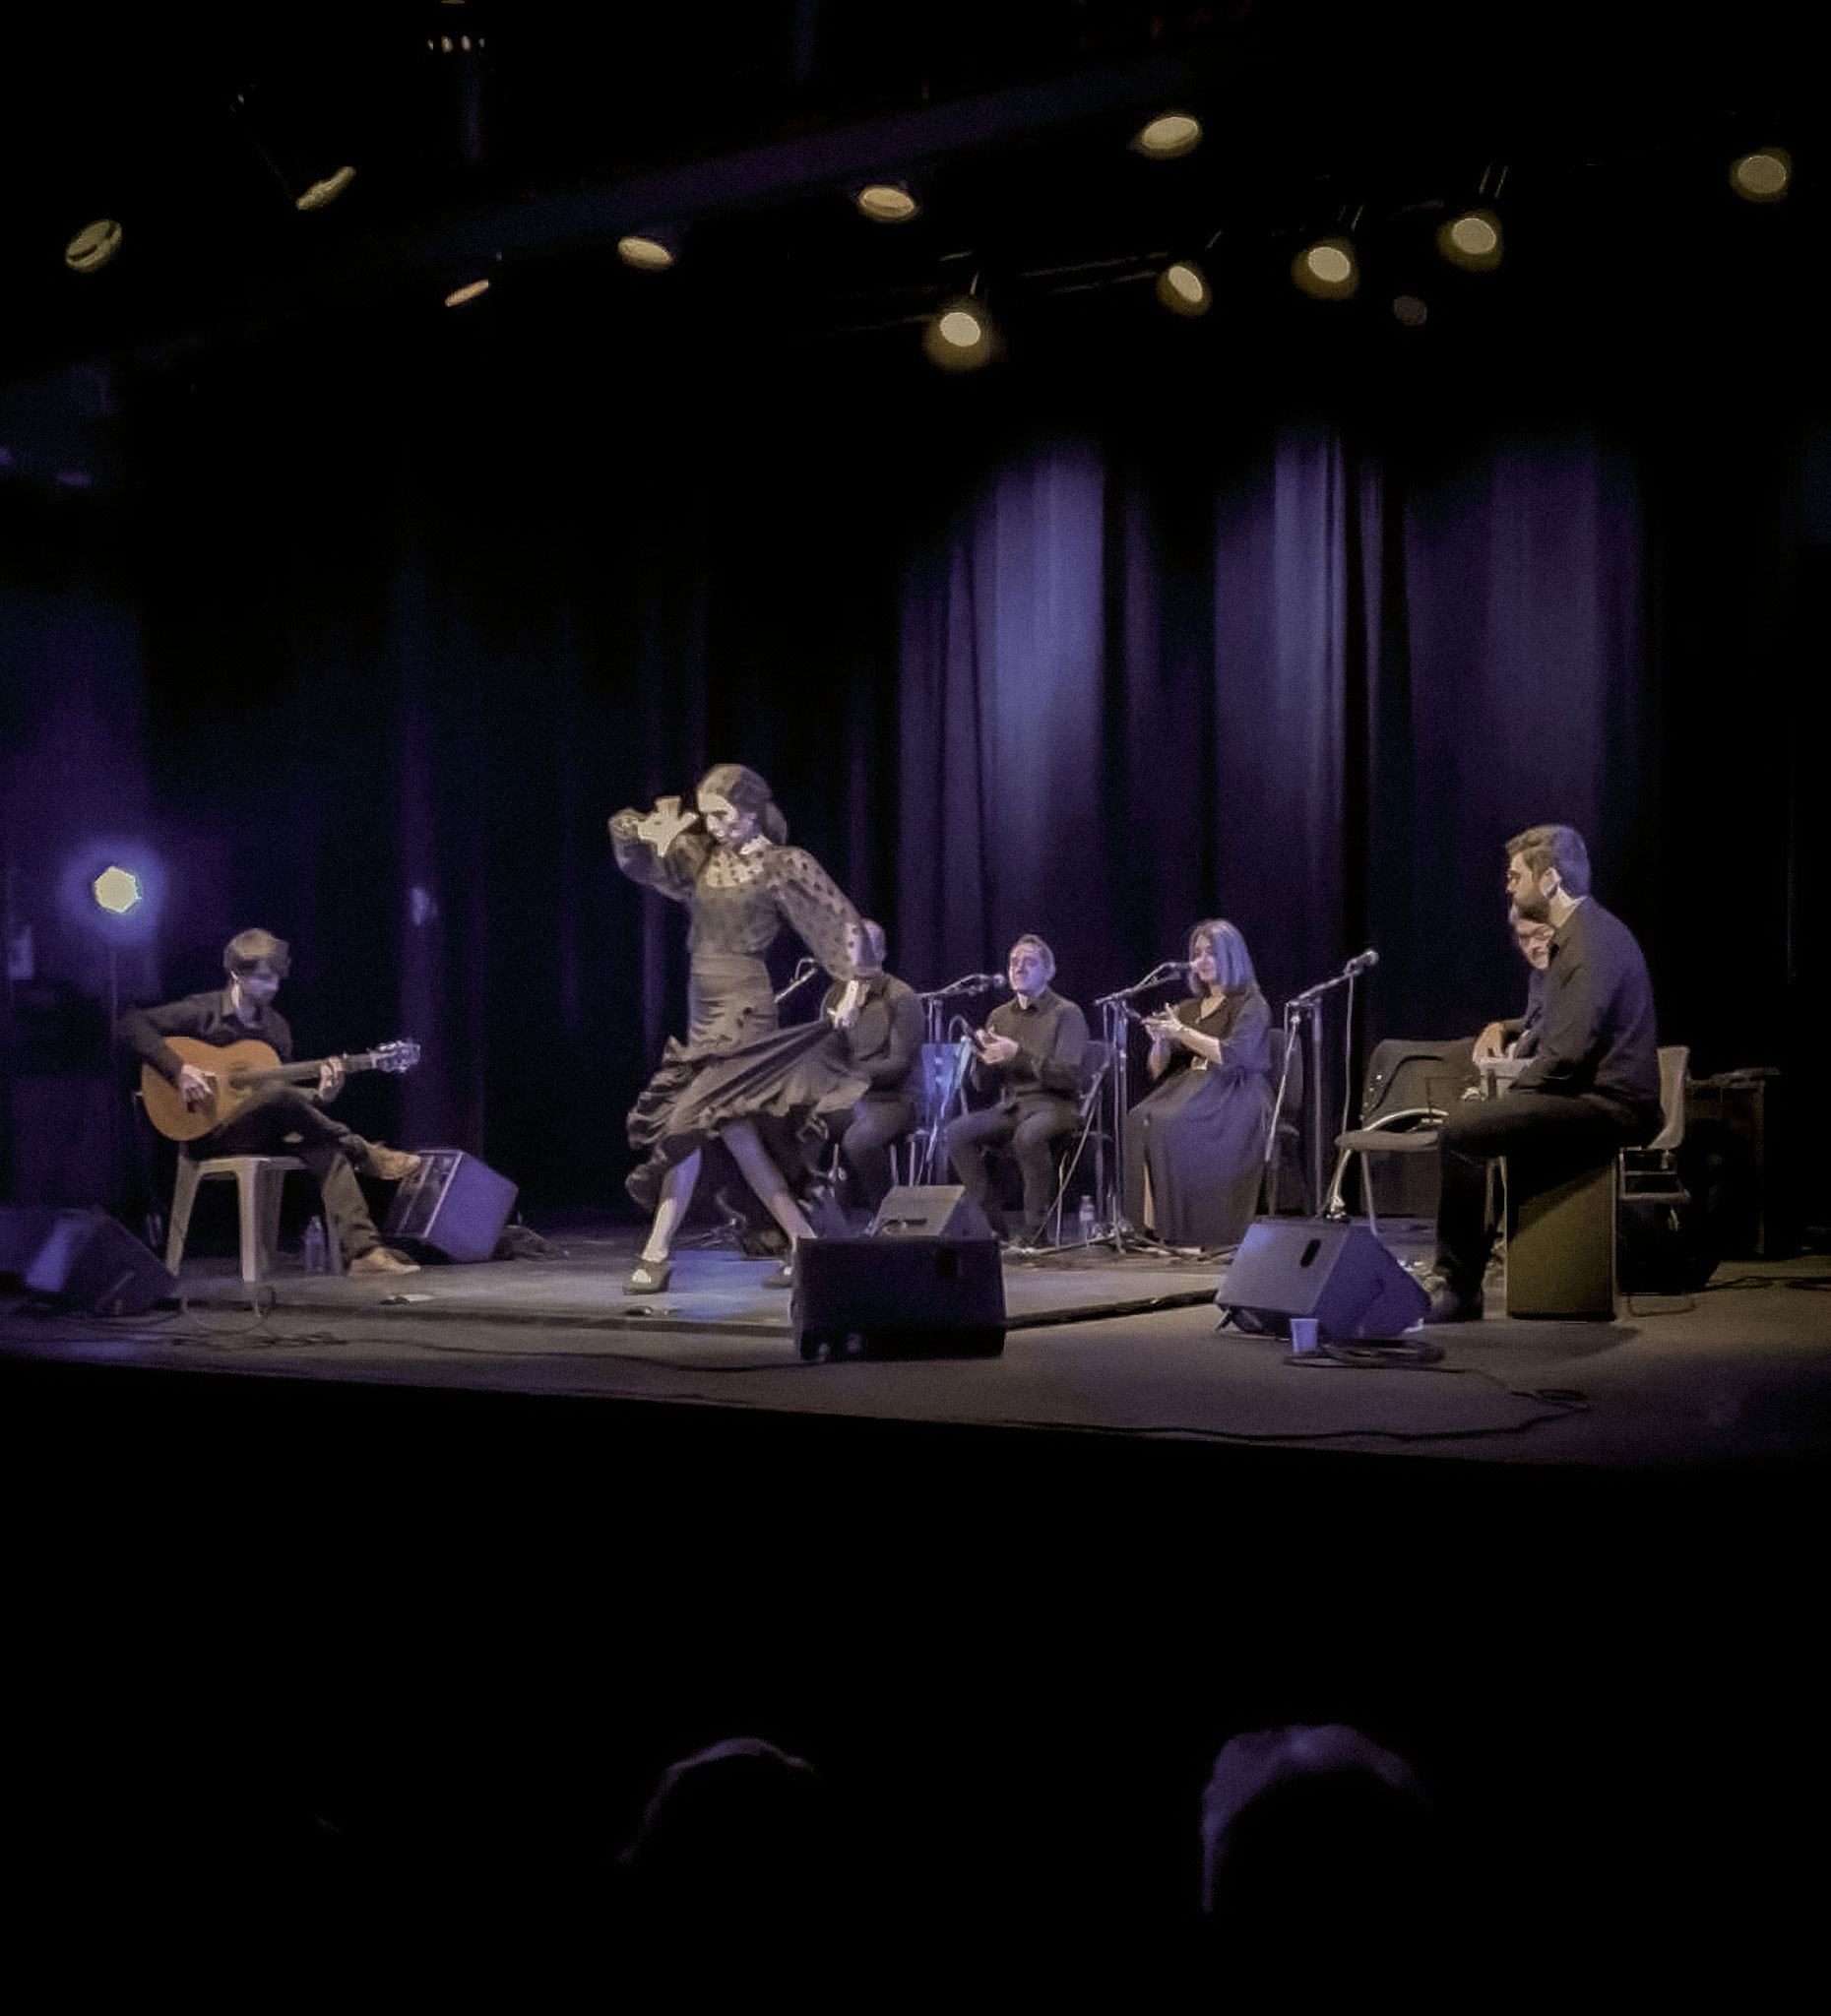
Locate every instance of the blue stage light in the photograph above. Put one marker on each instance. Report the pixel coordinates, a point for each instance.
(115, 889)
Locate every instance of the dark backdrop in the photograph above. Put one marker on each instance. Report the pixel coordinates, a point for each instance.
(375, 635)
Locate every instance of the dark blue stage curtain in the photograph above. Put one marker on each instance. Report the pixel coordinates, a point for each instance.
(1093, 683)
(1315, 692)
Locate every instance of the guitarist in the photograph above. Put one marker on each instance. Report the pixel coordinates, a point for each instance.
(255, 963)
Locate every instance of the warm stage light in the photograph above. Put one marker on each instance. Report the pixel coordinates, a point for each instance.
(1472, 240)
(469, 292)
(1327, 270)
(1183, 290)
(1165, 138)
(1763, 176)
(645, 254)
(885, 203)
(326, 191)
(94, 246)
(960, 336)
(118, 891)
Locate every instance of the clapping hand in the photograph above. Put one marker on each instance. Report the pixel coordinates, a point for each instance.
(994, 1049)
(1165, 1028)
(664, 825)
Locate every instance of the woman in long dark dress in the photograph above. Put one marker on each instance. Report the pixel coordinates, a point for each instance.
(728, 863)
(1195, 1145)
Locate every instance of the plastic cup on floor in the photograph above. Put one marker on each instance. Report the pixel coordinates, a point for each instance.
(1302, 1336)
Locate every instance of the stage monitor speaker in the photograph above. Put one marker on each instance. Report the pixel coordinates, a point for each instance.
(89, 1261)
(24, 1229)
(1340, 1273)
(901, 1298)
(929, 1211)
(452, 1203)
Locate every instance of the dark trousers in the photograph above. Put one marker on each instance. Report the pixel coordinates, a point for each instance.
(325, 1146)
(878, 1122)
(1546, 1136)
(1031, 1132)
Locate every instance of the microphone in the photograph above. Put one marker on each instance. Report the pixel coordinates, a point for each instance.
(805, 970)
(969, 984)
(1363, 962)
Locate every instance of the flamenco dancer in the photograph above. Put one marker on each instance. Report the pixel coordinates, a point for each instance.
(731, 866)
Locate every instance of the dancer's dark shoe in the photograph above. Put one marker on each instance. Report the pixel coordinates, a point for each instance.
(780, 1275)
(649, 1278)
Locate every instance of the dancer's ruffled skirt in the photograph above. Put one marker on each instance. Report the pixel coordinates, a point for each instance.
(735, 1065)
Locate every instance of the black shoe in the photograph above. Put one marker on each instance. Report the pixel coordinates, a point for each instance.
(1450, 1305)
(649, 1278)
(781, 1276)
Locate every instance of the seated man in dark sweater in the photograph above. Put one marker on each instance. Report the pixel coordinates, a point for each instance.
(255, 963)
(1591, 1086)
(1031, 1051)
(886, 1048)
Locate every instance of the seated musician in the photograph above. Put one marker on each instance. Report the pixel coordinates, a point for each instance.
(886, 1048)
(255, 963)
(1195, 1144)
(1030, 1053)
(1518, 1036)
(1592, 1084)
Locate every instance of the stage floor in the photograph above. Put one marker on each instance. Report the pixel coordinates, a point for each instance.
(1096, 1342)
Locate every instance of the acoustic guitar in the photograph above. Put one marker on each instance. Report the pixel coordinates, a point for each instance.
(242, 1070)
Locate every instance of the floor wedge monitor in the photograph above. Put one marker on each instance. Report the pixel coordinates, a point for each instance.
(904, 1298)
(1337, 1273)
(452, 1203)
(90, 1261)
(929, 1211)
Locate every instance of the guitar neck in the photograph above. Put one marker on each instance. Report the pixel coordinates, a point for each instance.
(301, 1074)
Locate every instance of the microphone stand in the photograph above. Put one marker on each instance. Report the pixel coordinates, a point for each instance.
(1116, 1012)
(934, 1000)
(1307, 1007)
(925, 1142)
(805, 970)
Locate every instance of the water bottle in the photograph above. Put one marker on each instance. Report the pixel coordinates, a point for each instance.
(313, 1247)
(1087, 1220)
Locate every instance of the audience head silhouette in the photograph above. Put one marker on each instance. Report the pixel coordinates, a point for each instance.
(1318, 1860)
(733, 1869)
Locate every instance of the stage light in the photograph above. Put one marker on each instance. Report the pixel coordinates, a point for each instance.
(885, 203)
(1410, 312)
(1327, 270)
(326, 191)
(1167, 137)
(114, 888)
(1472, 240)
(94, 246)
(1763, 176)
(1183, 289)
(118, 891)
(469, 291)
(646, 251)
(960, 336)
